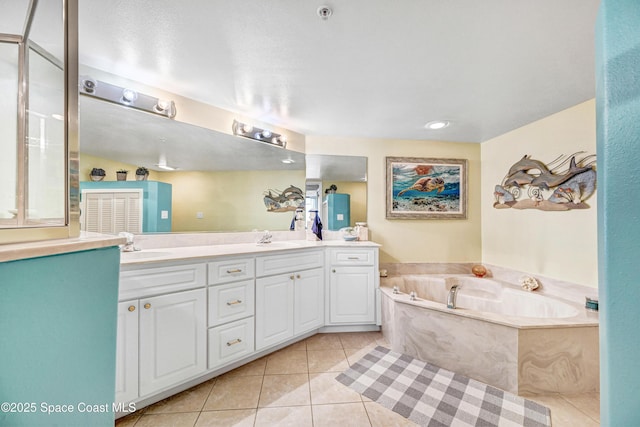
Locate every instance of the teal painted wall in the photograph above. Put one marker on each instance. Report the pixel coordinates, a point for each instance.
(337, 204)
(58, 318)
(618, 149)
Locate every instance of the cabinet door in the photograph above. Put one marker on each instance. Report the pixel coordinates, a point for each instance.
(112, 212)
(274, 310)
(352, 295)
(127, 352)
(309, 300)
(127, 210)
(172, 339)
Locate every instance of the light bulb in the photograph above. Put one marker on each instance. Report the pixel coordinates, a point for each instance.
(129, 95)
(163, 104)
(247, 128)
(89, 85)
(266, 133)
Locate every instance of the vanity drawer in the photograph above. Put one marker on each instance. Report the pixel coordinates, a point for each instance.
(351, 256)
(230, 342)
(230, 302)
(231, 270)
(288, 262)
(141, 282)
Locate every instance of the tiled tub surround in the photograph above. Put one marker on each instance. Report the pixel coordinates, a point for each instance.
(551, 349)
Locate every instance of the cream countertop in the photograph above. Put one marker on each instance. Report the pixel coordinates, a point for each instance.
(207, 251)
(86, 241)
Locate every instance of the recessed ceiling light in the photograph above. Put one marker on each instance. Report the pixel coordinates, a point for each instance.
(288, 161)
(437, 124)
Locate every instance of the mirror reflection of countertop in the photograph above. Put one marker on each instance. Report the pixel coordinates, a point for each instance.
(182, 253)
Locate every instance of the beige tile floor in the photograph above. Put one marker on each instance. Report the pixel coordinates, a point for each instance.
(296, 387)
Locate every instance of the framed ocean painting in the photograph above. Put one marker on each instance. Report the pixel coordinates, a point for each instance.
(425, 188)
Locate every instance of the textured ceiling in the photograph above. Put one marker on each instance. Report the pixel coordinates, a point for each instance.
(376, 68)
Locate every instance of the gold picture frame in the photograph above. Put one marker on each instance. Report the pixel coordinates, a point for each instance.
(426, 188)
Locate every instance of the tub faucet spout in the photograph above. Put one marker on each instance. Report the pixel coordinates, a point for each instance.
(451, 297)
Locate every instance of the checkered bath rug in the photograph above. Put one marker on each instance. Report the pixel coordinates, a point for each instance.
(434, 397)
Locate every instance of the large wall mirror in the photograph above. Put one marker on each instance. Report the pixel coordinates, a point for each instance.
(328, 174)
(222, 180)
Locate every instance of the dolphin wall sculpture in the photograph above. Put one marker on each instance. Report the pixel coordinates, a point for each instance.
(571, 187)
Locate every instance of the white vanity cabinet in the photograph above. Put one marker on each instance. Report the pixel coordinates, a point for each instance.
(231, 310)
(183, 320)
(353, 297)
(161, 331)
(289, 296)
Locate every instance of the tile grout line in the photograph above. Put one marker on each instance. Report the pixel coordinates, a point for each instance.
(255, 416)
(578, 409)
(309, 384)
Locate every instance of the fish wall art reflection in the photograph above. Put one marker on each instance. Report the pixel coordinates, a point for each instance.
(289, 199)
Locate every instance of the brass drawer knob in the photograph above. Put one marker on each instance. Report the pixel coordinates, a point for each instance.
(132, 308)
(147, 306)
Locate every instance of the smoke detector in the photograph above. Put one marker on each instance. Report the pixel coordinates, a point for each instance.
(324, 12)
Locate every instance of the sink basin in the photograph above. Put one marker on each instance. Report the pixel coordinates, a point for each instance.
(142, 254)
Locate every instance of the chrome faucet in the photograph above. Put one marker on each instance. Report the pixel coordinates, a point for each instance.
(128, 246)
(266, 238)
(451, 297)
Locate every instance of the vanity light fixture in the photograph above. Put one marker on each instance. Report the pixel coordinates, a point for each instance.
(257, 134)
(127, 97)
